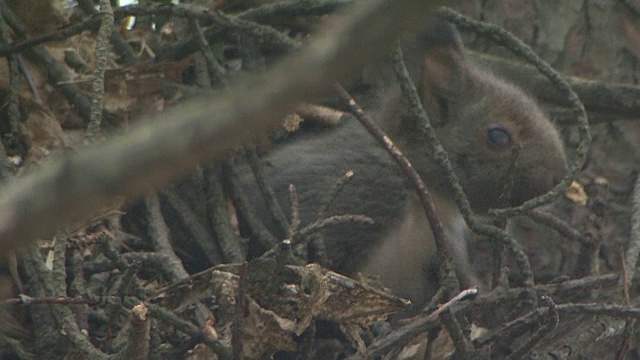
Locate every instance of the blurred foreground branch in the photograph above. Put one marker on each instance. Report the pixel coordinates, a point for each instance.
(202, 129)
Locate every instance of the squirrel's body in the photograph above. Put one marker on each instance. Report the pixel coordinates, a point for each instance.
(503, 149)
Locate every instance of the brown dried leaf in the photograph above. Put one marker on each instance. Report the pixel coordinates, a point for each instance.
(351, 301)
(575, 192)
(282, 305)
(265, 332)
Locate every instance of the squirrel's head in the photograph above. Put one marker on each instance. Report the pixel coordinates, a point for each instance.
(503, 148)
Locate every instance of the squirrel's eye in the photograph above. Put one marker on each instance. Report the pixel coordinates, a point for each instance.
(498, 137)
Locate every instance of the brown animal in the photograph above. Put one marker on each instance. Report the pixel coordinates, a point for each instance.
(480, 120)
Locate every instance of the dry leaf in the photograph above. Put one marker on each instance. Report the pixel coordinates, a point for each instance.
(575, 192)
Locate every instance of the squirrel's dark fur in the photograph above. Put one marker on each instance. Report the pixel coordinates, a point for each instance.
(480, 120)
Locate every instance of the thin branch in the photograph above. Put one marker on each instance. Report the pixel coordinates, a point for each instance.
(220, 219)
(102, 54)
(266, 34)
(59, 268)
(295, 211)
(90, 23)
(78, 288)
(408, 332)
(335, 190)
(293, 8)
(219, 347)
(120, 45)
(631, 258)
(238, 316)
(554, 222)
(421, 188)
(29, 79)
(160, 238)
(193, 224)
(533, 340)
(515, 328)
(464, 348)
(244, 206)
(217, 73)
(28, 300)
(263, 34)
(13, 105)
(330, 221)
(62, 316)
(137, 343)
(268, 194)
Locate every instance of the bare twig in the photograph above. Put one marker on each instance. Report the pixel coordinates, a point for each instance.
(78, 288)
(407, 168)
(102, 55)
(28, 300)
(160, 238)
(129, 278)
(534, 339)
(13, 105)
(267, 34)
(295, 210)
(169, 317)
(518, 326)
(238, 319)
(59, 268)
(464, 347)
(66, 32)
(244, 206)
(333, 193)
(629, 266)
(263, 34)
(121, 46)
(217, 72)
(191, 222)
(448, 275)
(58, 316)
(316, 241)
(554, 222)
(29, 79)
(331, 221)
(408, 332)
(631, 258)
(137, 344)
(268, 194)
(220, 218)
(293, 8)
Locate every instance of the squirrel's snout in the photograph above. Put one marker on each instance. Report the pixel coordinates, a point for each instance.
(537, 184)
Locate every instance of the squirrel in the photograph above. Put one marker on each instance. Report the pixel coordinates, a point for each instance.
(502, 147)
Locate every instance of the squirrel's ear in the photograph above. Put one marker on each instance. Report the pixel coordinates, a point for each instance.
(444, 69)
